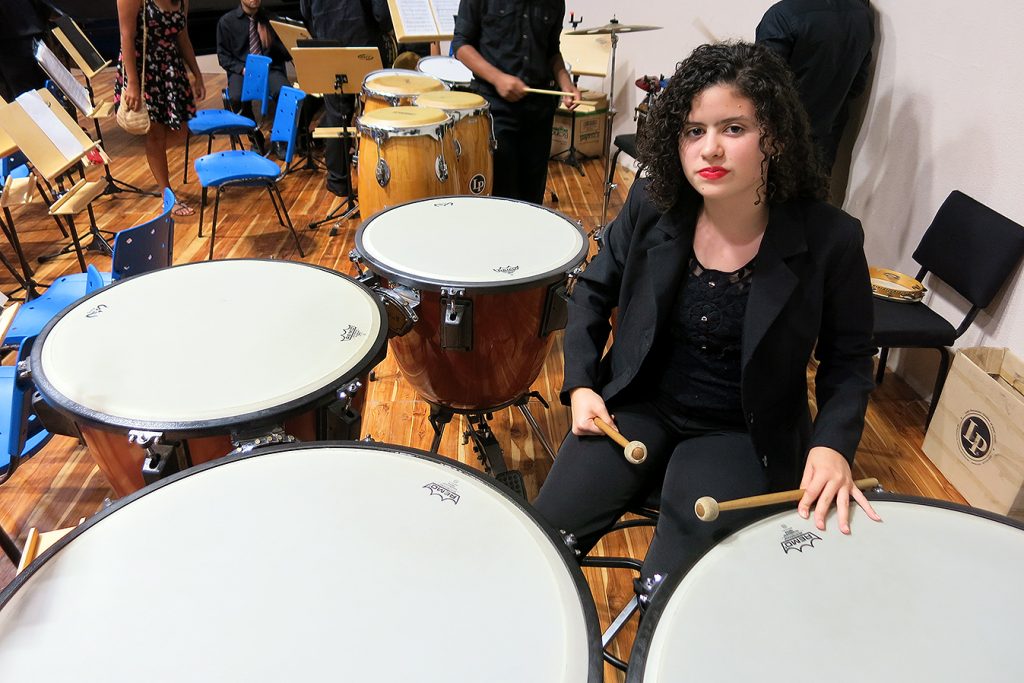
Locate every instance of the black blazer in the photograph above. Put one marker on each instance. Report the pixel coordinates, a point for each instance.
(810, 293)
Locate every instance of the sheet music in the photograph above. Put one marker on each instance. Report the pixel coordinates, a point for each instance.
(445, 15)
(70, 86)
(416, 17)
(62, 138)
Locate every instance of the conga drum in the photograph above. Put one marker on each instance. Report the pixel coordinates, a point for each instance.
(191, 358)
(487, 280)
(405, 153)
(928, 595)
(472, 134)
(451, 71)
(396, 87)
(311, 562)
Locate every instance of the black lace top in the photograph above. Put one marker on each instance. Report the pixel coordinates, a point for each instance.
(694, 366)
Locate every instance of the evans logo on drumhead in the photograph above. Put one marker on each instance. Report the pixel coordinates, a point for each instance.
(446, 491)
(477, 183)
(96, 311)
(508, 270)
(795, 540)
(976, 437)
(350, 333)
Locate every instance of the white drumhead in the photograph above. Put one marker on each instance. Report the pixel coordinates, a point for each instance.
(209, 341)
(448, 69)
(473, 241)
(306, 564)
(930, 594)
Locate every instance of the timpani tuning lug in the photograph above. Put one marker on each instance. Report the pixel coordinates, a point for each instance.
(159, 461)
(647, 588)
(348, 392)
(570, 541)
(246, 442)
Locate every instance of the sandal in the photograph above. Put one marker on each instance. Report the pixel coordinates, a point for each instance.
(182, 209)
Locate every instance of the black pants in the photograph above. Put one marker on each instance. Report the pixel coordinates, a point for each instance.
(523, 132)
(591, 483)
(275, 81)
(338, 110)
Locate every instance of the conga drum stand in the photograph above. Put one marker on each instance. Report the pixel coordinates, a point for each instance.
(487, 448)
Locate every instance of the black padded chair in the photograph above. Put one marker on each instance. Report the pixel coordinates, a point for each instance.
(972, 249)
(623, 143)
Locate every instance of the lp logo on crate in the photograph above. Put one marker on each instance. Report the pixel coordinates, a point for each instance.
(976, 437)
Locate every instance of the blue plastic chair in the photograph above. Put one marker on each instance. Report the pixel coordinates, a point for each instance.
(242, 168)
(21, 433)
(211, 122)
(145, 247)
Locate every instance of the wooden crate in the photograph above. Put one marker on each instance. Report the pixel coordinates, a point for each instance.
(976, 437)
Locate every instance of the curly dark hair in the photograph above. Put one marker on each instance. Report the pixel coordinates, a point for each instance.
(792, 169)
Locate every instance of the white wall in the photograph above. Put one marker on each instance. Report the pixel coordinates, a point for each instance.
(945, 111)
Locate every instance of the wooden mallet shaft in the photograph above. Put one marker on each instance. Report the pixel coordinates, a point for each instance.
(541, 91)
(634, 451)
(707, 508)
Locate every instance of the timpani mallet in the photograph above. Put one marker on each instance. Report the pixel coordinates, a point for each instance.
(634, 451)
(707, 508)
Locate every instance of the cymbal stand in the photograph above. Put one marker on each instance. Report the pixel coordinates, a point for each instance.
(608, 184)
(573, 157)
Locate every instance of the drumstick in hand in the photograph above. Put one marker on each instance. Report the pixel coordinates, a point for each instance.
(634, 451)
(707, 508)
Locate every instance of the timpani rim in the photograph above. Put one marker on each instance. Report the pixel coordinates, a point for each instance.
(185, 429)
(663, 595)
(595, 668)
(429, 284)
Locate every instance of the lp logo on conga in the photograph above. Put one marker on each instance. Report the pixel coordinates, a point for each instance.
(976, 437)
(477, 183)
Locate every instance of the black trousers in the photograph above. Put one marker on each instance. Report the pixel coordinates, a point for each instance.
(338, 110)
(591, 483)
(275, 81)
(523, 132)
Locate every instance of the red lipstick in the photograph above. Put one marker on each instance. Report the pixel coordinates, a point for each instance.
(712, 172)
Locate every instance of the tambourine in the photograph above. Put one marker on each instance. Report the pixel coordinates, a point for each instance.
(892, 286)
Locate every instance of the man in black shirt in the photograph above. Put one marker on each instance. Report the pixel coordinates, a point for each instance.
(827, 44)
(243, 31)
(511, 45)
(21, 21)
(352, 23)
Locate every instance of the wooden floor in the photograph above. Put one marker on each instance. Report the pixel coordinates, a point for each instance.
(62, 484)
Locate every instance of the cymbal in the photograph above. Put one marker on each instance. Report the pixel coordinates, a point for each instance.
(614, 27)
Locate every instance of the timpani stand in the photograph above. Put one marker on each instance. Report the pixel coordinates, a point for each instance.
(336, 71)
(35, 134)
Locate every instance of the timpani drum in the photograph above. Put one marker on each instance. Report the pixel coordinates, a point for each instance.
(328, 561)
(396, 87)
(487, 279)
(451, 71)
(405, 153)
(929, 595)
(472, 135)
(192, 358)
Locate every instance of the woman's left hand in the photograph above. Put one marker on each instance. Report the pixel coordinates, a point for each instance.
(199, 89)
(826, 477)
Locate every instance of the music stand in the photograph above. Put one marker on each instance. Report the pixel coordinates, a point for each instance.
(55, 144)
(82, 98)
(290, 32)
(336, 71)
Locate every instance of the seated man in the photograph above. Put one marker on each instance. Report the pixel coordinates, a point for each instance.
(241, 32)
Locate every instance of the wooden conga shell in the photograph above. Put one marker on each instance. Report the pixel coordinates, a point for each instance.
(396, 87)
(473, 135)
(418, 137)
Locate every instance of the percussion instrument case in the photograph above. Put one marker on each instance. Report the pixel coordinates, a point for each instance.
(589, 132)
(976, 437)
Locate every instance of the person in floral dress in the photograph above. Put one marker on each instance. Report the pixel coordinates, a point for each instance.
(169, 94)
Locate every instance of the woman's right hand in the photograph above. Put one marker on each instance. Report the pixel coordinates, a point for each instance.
(587, 404)
(130, 97)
